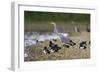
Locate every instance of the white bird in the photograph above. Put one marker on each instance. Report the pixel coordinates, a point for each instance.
(63, 36)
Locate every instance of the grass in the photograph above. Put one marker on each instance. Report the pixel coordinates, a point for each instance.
(48, 27)
(34, 21)
(36, 51)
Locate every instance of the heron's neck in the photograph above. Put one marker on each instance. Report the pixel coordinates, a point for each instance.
(55, 29)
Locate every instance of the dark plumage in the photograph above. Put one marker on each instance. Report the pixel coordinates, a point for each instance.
(83, 45)
(66, 45)
(54, 47)
(46, 51)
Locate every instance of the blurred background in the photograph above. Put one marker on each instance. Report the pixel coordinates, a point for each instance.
(66, 22)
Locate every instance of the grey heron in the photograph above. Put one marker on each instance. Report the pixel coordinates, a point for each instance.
(63, 36)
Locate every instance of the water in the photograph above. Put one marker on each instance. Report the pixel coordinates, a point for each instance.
(33, 38)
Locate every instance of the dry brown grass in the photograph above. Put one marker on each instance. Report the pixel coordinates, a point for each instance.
(36, 52)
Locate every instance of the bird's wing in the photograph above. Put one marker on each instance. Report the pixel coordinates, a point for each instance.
(64, 39)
